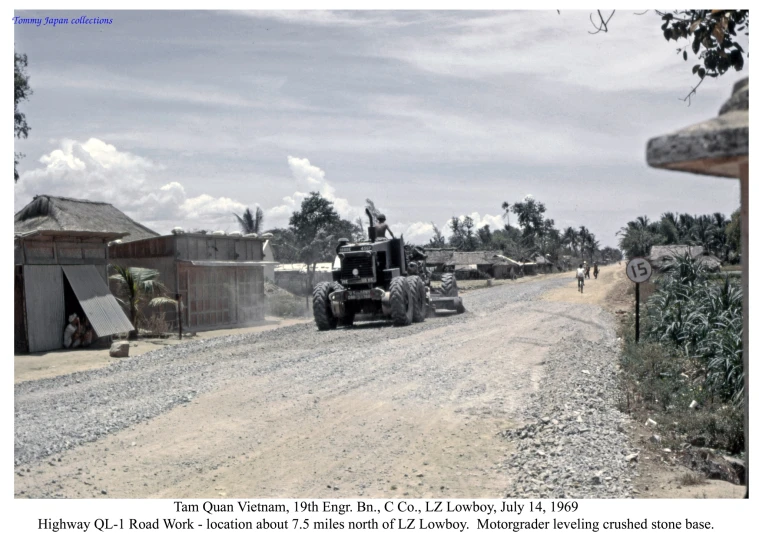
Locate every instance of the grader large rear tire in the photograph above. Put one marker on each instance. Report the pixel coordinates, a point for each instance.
(323, 316)
(401, 301)
(420, 305)
(449, 288)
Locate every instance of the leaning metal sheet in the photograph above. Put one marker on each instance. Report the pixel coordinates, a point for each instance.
(100, 307)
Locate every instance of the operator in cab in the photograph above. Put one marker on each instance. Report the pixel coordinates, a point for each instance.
(381, 228)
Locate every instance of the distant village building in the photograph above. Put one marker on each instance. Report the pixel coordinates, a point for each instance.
(477, 264)
(543, 263)
(61, 259)
(438, 258)
(294, 278)
(220, 277)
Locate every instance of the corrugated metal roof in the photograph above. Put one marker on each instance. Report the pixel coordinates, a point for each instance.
(478, 257)
(224, 263)
(301, 267)
(100, 307)
(508, 260)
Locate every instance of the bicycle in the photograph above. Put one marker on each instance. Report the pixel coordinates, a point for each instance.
(580, 284)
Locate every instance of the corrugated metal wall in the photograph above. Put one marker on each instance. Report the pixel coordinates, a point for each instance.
(250, 294)
(213, 247)
(216, 297)
(45, 313)
(20, 344)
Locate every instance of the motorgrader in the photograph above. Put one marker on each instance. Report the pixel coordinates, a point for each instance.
(381, 279)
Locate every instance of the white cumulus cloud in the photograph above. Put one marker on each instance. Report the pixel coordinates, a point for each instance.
(96, 170)
(309, 178)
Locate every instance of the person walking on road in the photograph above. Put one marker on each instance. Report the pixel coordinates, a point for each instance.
(580, 278)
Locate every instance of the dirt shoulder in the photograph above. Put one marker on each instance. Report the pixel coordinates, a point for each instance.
(609, 290)
(65, 361)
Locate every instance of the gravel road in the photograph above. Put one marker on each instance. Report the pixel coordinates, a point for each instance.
(515, 397)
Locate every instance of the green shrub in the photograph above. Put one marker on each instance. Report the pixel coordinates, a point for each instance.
(659, 381)
(702, 318)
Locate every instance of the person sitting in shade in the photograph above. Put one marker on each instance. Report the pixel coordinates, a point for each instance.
(88, 334)
(69, 333)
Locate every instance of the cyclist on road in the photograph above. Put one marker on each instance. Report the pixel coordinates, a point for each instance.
(595, 270)
(580, 277)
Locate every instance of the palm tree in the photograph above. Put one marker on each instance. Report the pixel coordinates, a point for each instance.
(684, 223)
(582, 236)
(699, 232)
(250, 224)
(135, 285)
(643, 222)
(594, 245)
(569, 238)
(716, 235)
(505, 206)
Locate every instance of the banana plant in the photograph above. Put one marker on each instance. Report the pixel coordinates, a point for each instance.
(136, 287)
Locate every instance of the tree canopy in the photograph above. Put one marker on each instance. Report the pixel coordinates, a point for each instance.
(535, 235)
(710, 35)
(313, 232)
(22, 91)
(714, 232)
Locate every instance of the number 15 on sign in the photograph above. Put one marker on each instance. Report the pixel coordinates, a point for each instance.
(638, 270)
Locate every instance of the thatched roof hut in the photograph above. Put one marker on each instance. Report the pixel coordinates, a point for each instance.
(56, 213)
(662, 254)
(477, 258)
(438, 256)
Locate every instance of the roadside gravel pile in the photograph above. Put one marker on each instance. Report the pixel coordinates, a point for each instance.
(574, 444)
(53, 415)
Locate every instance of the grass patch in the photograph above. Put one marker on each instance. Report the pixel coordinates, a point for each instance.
(692, 479)
(660, 382)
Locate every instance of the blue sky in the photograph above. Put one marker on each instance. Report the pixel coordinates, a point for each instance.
(182, 118)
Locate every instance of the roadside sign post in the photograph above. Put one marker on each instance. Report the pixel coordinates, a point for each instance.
(638, 270)
(179, 312)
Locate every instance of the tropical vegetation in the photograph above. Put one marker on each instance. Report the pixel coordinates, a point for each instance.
(719, 236)
(250, 223)
(534, 234)
(137, 286)
(690, 311)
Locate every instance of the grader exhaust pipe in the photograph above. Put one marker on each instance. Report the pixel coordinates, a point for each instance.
(372, 231)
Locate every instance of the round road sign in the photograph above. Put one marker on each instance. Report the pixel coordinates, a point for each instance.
(638, 270)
